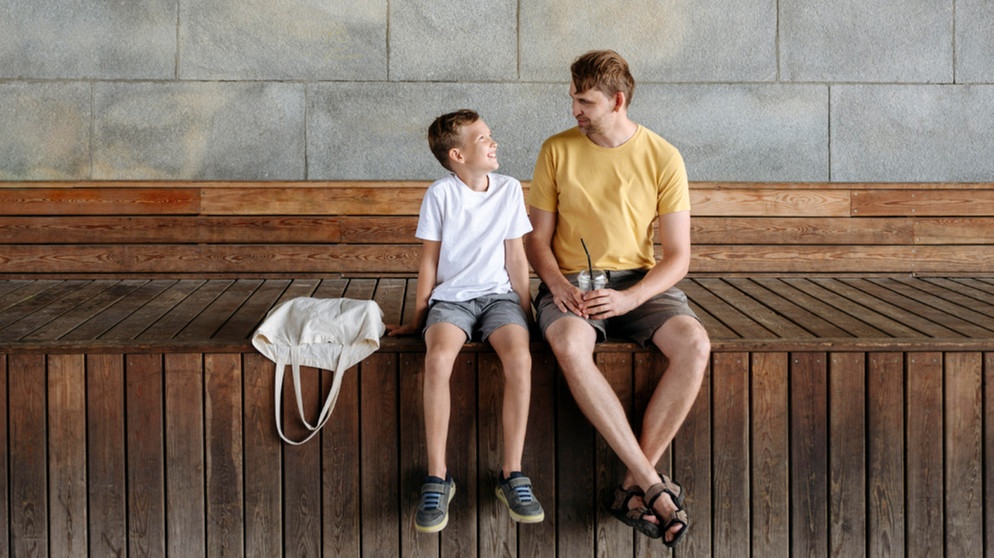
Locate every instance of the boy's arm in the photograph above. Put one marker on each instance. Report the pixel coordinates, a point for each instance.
(517, 269)
(427, 275)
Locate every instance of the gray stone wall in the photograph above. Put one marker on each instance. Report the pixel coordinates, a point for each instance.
(749, 90)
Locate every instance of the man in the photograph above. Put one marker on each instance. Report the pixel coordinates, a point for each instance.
(599, 188)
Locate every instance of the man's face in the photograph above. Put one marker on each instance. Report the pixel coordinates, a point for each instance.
(592, 109)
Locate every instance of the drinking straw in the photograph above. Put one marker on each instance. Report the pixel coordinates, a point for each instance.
(590, 268)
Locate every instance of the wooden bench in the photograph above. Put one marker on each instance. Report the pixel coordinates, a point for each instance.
(847, 408)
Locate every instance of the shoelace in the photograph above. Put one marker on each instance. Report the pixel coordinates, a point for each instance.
(431, 500)
(524, 493)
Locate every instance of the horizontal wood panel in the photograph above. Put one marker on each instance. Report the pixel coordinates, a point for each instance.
(953, 230)
(181, 230)
(217, 258)
(939, 203)
(768, 202)
(313, 201)
(99, 201)
(403, 258)
(801, 230)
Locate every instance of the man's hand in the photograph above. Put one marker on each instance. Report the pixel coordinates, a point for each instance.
(568, 298)
(607, 303)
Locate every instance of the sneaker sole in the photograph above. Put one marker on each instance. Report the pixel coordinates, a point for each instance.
(428, 529)
(517, 517)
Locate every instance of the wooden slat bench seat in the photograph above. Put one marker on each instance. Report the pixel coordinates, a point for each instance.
(847, 409)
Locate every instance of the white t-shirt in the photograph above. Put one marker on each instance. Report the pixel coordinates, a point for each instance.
(472, 227)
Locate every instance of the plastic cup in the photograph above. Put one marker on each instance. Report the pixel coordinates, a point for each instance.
(585, 283)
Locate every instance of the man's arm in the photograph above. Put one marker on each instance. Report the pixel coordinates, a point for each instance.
(538, 247)
(674, 237)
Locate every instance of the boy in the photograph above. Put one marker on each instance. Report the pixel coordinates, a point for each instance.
(472, 280)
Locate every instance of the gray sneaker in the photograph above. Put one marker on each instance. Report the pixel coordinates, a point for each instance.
(516, 493)
(433, 509)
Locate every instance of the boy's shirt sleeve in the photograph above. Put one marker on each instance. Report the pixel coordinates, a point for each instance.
(520, 224)
(430, 217)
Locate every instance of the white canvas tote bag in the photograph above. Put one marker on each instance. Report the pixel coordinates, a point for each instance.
(332, 334)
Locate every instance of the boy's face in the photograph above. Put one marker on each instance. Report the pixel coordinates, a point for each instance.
(478, 151)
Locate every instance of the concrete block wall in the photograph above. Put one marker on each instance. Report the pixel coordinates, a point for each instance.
(749, 90)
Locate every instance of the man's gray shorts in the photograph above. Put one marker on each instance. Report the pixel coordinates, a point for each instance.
(479, 317)
(639, 325)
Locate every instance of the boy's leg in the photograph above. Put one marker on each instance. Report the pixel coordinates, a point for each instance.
(511, 343)
(444, 341)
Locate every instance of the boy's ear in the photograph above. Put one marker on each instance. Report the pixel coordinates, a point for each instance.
(455, 155)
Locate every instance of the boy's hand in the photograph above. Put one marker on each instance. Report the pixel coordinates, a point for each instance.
(393, 330)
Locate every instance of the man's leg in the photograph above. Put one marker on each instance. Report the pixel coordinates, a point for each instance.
(685, 343)
(572, 340)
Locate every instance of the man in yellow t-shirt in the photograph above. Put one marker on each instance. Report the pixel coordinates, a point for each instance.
(605, 186)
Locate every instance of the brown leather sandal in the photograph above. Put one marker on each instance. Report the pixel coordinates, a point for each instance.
(634, 517)
(677, 518)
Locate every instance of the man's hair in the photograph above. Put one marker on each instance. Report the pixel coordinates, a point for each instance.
(604, 70)
(443, 134)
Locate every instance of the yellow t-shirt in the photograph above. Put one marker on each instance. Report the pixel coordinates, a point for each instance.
(609, 197)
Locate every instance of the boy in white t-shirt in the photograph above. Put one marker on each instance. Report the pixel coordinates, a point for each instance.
(472, 282)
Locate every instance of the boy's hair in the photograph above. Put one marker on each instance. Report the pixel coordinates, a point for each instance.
(443, 134)
(604, 70)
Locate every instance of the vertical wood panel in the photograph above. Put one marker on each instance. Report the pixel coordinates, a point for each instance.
(302, 466)
(575, 470)
(223, 424)
(614, 538)
(146, 463)
(770, 510)
(730, 393)
(106, 454)
(847, 430)
(263, 464)
(340, 471)
(989, 452)
(4, 457)
(925, 484)
(964, 473)
(378, 393)
(648, 369)
(692, 464)
(460, 537)
(539, 460)
(809, 454)
(184, 392)
(413, 454)
(28, 483)
(497, 532)
(67, 455)
(885, 459)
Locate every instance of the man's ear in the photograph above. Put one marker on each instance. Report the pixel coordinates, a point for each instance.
(619, 101)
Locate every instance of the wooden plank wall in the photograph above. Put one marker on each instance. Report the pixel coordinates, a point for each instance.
(804, 454)
(274, 228)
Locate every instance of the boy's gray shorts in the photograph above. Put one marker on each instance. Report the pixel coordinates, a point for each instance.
(639, 325)
(479, 317)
